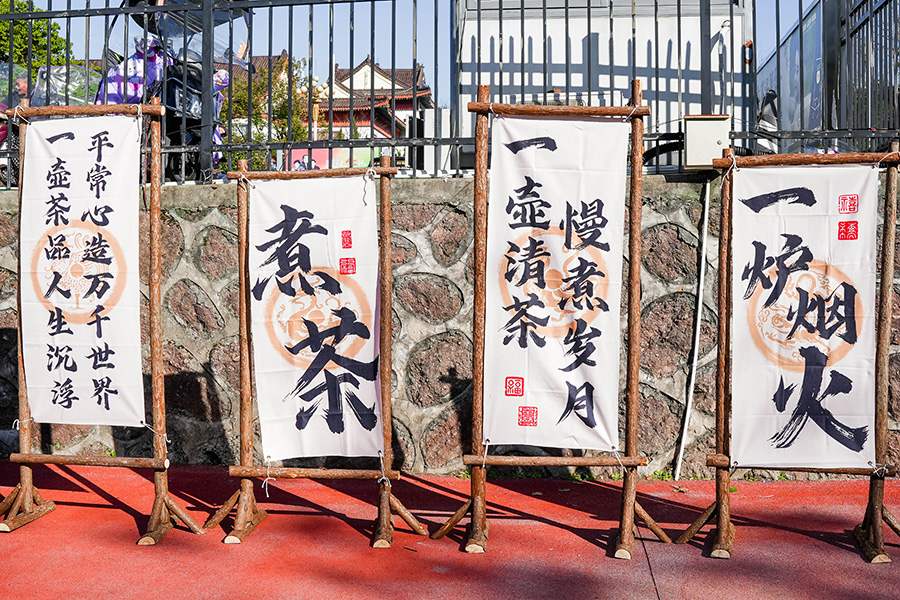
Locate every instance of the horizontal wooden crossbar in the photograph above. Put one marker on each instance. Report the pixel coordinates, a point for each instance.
(318, 473)
(556, 461)
(88, 110)
(348, 172)
(777, 160)
(539, 110)
(723, 462)
(158, 464)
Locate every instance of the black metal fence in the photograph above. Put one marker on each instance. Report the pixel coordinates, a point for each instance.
(309, 83)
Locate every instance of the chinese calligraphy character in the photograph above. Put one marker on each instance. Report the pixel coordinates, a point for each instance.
(290, 254)
(100, 357)
(580, 401)
(588, 225)
(63, 394)
(809, 406)
(96, 176)
(523, 324)
(756, 272)
(103, 390)
(58, 176)
(99, 141)
(59, 357)
(528, 207)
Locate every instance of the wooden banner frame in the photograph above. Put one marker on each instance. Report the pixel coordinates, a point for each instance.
(25, 503)
(870, 533)
(478, 460)
(248, 514)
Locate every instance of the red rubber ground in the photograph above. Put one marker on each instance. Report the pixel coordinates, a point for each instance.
(548, 539)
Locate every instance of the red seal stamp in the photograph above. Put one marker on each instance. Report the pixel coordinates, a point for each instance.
(348, 266)
(848, 204)
(528, 416)
(346, 239)
(848, 230)
(515, 386)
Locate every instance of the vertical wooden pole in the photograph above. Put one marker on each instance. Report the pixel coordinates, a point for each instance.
(629, 487)
(724, 530)
(384, 531)
(246, 409)
(248, 515)
(159, 523)
(870, 535)
(25, 473)
(477, 542)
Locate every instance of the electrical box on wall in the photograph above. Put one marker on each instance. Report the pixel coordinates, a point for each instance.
(705, 137)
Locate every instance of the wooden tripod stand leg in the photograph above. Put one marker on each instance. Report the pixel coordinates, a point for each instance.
(477, 542)
(625, 542)
(407, 516)
(452, 521)
(165, 513)
(384, 526)
(698, 524)
(24, 503)
(870, 534)
(247, 517)
(724, 545)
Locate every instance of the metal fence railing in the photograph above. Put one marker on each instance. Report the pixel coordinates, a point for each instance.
(313, 83)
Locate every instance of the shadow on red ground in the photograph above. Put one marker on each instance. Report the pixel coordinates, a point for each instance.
(549, 539)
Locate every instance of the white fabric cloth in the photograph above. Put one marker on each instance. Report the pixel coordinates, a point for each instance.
(554, 270)
(78, 253)
(314, 300)
(803, 375)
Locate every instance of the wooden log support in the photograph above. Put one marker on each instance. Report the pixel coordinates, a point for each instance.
(248, 514)
(384, 527)
(651, 523)
(19, 506)
(870, 533)
(453, 521)
(698, 524)
(477, 540)
(408, 517)
(25, 504)
(555, 461)
(478, 460)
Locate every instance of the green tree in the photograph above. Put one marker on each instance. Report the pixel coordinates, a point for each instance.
(21, 30)
(278, 113)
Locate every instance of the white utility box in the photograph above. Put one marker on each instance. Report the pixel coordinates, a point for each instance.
(705, 137)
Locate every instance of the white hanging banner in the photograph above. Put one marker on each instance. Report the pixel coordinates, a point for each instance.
(803, 350)
(313, 262)
(78, 271)
(554, 270)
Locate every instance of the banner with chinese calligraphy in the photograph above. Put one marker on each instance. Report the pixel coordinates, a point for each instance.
(554, 270)
(314, 287)
(803, 350)
(78, 271)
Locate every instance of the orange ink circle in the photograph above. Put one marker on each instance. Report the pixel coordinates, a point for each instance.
(561, 319)
(770, 326)
(73, 272)
(285, 316)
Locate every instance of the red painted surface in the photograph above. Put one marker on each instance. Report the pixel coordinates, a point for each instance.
(548, 539)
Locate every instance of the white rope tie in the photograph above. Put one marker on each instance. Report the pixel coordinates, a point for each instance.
(17, 422)
(17, 116)
(878, 470)
(370, 177)
(631, 114)
(246, 181)
(383, 479)
(616, 454)
(484, 456)
(491, 108)
(732, 167)
(165, 436)
(884, 158)
(265, 483)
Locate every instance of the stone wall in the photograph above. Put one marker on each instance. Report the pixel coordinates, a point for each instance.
(432, 349)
